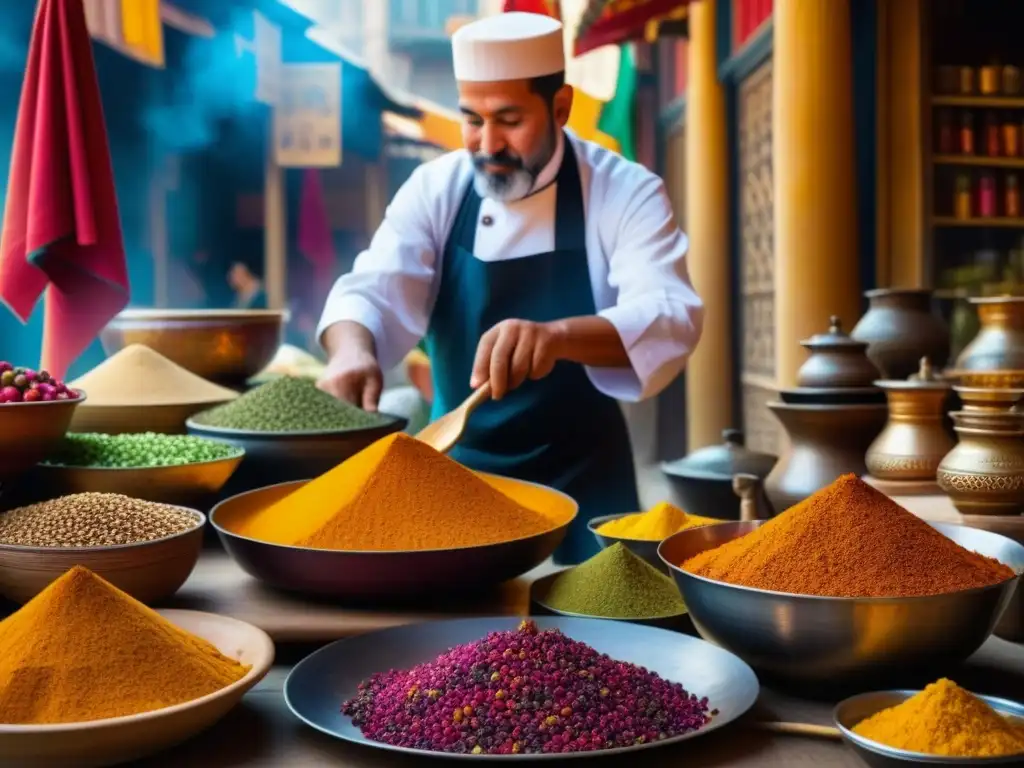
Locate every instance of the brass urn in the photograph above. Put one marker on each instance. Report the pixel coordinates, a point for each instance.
(984, 473)
(915, 439)
(995, 357)
(835, 361)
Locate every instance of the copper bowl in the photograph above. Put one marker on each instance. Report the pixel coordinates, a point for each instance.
(30, 431)
(227, 346)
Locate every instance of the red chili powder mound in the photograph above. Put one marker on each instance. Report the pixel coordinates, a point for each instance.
(848, 540)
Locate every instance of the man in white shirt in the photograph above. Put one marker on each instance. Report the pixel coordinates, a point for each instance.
(539, 263)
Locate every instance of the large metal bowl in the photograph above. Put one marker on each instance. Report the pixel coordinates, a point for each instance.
(390, 575)
(838, 640)
(849, 713)
(283, 457)
(30, 431)
(223, 345)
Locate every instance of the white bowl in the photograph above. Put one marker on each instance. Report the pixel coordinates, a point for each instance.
(120, 739)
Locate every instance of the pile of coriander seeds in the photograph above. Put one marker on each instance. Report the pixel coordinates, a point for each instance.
(93, 520)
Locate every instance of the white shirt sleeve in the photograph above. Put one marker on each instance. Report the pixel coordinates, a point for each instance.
(390, 288)
(658, 314)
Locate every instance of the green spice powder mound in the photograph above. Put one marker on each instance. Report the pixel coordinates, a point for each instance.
(615, 584)
(288, 404)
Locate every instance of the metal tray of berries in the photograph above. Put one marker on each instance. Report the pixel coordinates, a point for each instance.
(507, 689)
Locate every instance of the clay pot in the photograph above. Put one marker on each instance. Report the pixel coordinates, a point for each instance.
(825, 441)
(900, 328)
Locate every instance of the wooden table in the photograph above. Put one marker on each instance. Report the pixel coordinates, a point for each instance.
(263, 734)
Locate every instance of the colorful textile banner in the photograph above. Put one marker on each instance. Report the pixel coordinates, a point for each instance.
(307, 117)
(610, 22)
(618, 116)
(143, 30)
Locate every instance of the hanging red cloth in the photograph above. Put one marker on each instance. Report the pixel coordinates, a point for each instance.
(543, 7)
(61, 232)
(316, 240)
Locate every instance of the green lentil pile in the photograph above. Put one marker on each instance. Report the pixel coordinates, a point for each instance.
(147, 449)
(92, 520)
(615, 584)
(288, 404)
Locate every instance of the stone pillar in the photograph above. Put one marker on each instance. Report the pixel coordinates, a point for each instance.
(709, 376)
(816, 257)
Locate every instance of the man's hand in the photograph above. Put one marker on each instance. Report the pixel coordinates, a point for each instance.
(353, 373)
(513, 351)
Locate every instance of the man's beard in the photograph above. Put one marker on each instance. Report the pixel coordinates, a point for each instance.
(520, 174)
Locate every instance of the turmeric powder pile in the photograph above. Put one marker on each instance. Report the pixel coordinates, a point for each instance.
(848, 540)
(658, 523)
(84, 650)
(944, 719)
(397, 494)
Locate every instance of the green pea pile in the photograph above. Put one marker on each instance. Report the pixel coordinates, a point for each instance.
(147, 449)
(289, 404)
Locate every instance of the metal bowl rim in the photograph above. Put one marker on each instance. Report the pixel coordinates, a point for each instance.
(390, 552)
(595, 522)
(512, 758)
(237, 456)
(548, 580)
(1001, 705)
(25, 549)
(1019, 391)
(251, 434)
(1006, 299)
(36, 403)
(875, 292)
(673, 568)
(142, 313)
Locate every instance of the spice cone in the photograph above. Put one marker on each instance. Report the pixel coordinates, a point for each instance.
(84, 650)
(848, 540)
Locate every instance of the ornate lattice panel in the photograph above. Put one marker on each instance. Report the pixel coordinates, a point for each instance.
(757, 258)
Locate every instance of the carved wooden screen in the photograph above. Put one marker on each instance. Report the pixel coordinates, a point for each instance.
(757, 260)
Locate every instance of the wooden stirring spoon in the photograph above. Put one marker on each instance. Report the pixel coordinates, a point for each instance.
(443, 434)
(798, 729)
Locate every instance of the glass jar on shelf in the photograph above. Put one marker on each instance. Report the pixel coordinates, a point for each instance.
(992, 138)
(1011, 136)
(967, 134)
(962, 206)
(1011, 201)
(987, 208)
(945, 135)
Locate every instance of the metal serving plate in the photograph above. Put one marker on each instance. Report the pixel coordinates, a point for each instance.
(318, 685)
(858, 708)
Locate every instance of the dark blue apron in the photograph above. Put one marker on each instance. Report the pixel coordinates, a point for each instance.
(559, 431)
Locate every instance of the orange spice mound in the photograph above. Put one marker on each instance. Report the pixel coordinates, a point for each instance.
(83, 650)
(397, 494)
(848, 540)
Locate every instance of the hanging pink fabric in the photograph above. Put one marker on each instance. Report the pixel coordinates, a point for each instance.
(61, 233)
(316, 240)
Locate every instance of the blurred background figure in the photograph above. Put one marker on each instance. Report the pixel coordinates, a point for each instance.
(247, 285)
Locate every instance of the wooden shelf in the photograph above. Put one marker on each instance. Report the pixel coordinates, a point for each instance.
(991, 102)
(1003, 223)
(979, 161)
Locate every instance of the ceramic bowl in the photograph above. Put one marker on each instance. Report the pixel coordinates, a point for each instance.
(122, 739)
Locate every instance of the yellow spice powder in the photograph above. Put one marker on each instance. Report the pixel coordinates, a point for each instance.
(659, 522)
(946, 720)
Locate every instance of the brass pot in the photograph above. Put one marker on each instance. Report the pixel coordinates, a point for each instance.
(915, 439)
(900, 328)
(999, 345)
(825, 441)
(984, 473)
(985, 400)
(836, 361)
